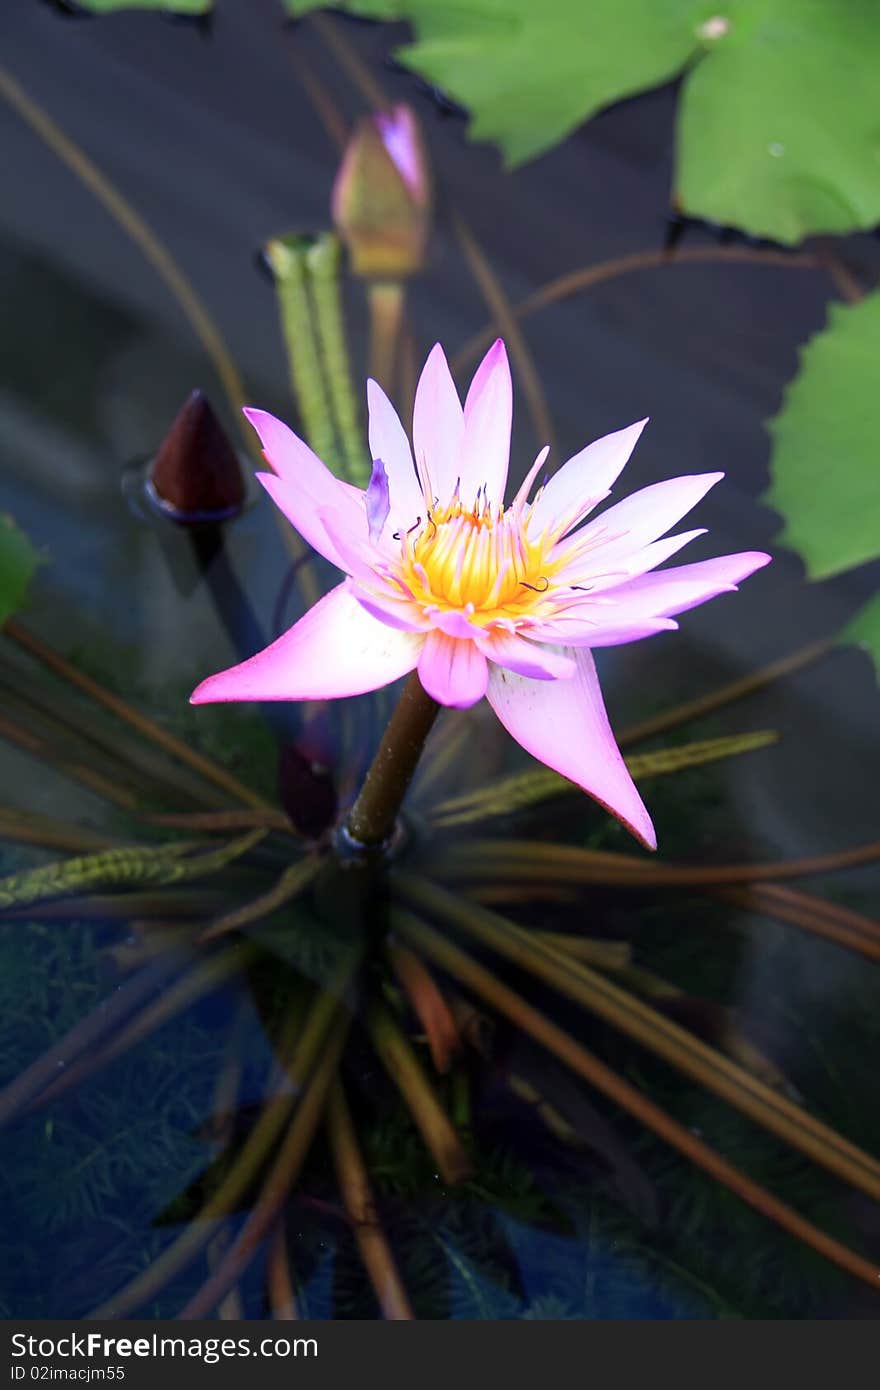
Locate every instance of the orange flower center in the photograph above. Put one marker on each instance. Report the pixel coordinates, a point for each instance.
(477, 559)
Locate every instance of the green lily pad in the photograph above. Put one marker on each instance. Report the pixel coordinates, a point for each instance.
(825, 463)
(864, 630)
(18, 560)
(169, 6)
(778, 130)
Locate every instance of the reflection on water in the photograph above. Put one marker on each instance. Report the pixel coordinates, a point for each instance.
(171, 1073)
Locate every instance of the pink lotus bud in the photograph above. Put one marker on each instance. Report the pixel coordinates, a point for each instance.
(382, 195)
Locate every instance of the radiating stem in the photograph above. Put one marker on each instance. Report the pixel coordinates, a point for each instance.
(354, 1183)
(725, 694)
(475, 977)
(407, 1073)
(373, 816)
(282, 1176)
(292, 882)
(651, 1030)
(205, 977)
(515, 860)
(114, 1010)
(134, 717)
(282, 1295)
(297, 1053)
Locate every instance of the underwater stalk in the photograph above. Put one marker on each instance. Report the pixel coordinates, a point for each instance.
(298, 1050)
(405, 1069)
(354, 1183)
(476, 978)
(650, 1029)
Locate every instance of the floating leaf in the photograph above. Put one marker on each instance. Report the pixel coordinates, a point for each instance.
(777, 126)
(166, 6)
(825, 463)
(864, 630)
(18, 560)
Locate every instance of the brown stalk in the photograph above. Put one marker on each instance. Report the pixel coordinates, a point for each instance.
(645, 1026)
(37, 746)
(725, 694)
(528, 859)
(848, 929)
(354, 1184)
(211, 771)
(91, 731)
(281, 1178)
(196, 902)
(427, 1002)
(405, 1070)
(33, 828)
(500, 307)
(282, 1295)
(350, 61)
(587, 277)
(474, 977)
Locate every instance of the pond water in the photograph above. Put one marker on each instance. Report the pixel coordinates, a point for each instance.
(571, 1207)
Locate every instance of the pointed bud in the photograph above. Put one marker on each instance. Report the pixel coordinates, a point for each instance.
(306, 790)
(196, 476)
(382, 195)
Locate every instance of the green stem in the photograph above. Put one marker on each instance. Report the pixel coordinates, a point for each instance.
(288, 259)
(323, 261)
(386, 300)
(373, 816)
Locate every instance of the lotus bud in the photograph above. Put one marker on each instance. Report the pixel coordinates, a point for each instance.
(382, 196)
(196, 475)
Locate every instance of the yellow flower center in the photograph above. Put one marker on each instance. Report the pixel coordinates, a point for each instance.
(477, 559)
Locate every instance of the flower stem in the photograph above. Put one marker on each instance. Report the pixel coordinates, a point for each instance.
(372, 817)
(386, 299)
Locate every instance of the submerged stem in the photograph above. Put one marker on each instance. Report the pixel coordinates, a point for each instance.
(372, 818)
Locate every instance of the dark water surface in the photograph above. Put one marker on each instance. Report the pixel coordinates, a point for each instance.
(215, 143)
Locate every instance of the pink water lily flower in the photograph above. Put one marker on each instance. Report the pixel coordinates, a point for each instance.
(483, 599)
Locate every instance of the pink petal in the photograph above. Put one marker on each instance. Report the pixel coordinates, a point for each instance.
(453, 622)
(683, 587)
(526, 658)
(607, 567)
(564, 724)
(452, 670)
(399, 613)
(400, 136)
(584, 480)
(389, 443)
(336, 649)
(304, 514)
(438, 427)
(647, 514)
(488, 415)
(606, 631)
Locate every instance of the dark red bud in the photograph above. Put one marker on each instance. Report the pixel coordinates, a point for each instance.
(196, 475)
